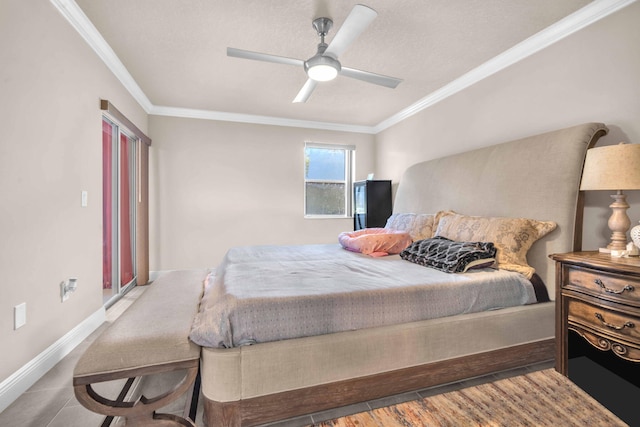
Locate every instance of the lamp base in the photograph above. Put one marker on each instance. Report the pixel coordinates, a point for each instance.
(619, 222)
(604, 250)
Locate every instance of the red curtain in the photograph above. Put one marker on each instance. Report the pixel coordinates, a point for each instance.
(126, 262)
(107, 192)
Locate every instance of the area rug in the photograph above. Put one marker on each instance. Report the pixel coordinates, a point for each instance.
(542, 398)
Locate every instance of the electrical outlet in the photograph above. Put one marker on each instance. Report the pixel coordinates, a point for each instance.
(19, 315)
(67, 287)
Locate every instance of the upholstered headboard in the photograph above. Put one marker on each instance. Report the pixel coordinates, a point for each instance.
(537, 177)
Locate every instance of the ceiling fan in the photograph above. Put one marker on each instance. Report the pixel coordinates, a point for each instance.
(324, 65)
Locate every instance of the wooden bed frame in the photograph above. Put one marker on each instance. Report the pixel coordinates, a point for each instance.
(536, 177)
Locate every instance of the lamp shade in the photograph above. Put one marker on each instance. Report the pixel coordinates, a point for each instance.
(612, 167)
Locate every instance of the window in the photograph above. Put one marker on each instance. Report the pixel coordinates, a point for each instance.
(124, 204)
(328, 179)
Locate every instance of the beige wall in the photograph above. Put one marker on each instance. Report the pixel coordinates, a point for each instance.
(218, 184)
(50, 86)
(593, 75)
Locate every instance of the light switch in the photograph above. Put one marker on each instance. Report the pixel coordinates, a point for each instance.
(84, 197)
(19, 315)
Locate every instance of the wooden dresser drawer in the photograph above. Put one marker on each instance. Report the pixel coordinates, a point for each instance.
(609, 286)
(602, 320)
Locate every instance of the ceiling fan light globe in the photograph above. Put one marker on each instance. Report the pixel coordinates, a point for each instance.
(322, 73)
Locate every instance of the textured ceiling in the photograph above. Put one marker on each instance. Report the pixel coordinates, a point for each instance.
(176, 50)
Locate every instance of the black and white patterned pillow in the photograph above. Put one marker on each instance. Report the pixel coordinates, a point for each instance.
(450, 256)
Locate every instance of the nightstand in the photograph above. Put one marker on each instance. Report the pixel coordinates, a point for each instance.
(598, 297)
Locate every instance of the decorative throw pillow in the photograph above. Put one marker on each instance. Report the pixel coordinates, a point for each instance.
(512, 237)
(419, 226)
(449, 256)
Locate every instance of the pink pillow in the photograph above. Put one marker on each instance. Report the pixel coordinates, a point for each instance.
(375, 241)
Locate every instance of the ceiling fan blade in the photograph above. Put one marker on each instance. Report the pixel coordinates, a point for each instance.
(374, 78)
(247, 54)
(358, 20)
(306, 90)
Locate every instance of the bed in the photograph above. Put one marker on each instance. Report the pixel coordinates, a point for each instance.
(249, 380)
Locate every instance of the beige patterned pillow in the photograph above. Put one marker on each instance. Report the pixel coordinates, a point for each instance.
(419, 226)
(512, 237)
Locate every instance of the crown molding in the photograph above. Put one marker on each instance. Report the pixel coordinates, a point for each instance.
(576, 21)
(584, 17)
(158, 110)
(79, 21)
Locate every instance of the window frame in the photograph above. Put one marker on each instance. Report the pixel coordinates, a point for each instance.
(349, 173)
(117, 205)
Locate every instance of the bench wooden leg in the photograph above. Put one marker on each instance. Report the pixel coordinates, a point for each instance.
(140, 413)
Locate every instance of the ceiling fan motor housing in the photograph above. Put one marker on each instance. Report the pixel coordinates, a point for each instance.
(322, 67)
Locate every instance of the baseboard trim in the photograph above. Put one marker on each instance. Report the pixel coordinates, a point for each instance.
(25, 377)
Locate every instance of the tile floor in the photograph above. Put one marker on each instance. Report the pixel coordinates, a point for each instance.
(51, 402)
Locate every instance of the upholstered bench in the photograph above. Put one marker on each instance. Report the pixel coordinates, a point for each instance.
(150, 337)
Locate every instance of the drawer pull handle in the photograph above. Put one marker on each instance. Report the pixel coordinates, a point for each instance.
(613, 291)
(609, 325)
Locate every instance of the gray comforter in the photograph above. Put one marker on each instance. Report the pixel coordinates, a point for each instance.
(269, 293)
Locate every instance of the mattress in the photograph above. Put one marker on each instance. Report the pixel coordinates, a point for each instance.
(270, 293)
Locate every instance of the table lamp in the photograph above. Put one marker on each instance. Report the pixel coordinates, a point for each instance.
(614, 167)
